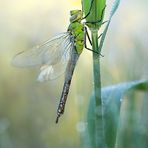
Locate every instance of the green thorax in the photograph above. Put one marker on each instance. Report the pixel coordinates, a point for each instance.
(76, 28)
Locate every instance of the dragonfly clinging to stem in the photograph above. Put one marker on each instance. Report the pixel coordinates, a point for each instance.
(57, 55)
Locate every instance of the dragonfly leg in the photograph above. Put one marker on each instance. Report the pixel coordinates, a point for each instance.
(100, 36)
(85, 45)
(104, 22)
(87, 34)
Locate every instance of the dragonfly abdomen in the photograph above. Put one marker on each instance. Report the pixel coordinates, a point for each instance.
(76, 30)
(63, 99)
(68, 77)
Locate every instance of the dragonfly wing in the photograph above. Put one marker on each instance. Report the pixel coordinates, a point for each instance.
(48, 53)
(50, 72)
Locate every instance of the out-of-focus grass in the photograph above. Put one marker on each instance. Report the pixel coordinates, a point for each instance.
(133, 129)
(126, 48)
(27, 108)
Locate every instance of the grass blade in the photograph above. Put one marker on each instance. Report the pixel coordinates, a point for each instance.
(114, 8)
(112, 98)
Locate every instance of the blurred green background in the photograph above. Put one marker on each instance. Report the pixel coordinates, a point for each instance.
(28, 108)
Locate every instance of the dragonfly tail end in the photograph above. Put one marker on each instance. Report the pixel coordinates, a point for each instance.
(57, 119)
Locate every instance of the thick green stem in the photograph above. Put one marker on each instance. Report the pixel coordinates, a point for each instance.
(99, 134)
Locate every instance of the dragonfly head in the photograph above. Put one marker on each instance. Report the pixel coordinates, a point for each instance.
(76, 15)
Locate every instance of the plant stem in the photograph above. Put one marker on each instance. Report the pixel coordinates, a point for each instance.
(99, 132)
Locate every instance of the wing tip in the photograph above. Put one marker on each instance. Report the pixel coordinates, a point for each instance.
(16, 62)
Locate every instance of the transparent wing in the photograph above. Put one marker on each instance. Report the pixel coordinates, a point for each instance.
(50, 72)
(49, 53)
(52, 56)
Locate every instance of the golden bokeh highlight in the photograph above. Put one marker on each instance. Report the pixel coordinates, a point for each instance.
(75, 2)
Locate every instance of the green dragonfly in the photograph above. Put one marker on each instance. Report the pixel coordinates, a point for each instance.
(58, 55)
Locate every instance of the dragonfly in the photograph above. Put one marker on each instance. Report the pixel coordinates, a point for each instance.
(58, 55)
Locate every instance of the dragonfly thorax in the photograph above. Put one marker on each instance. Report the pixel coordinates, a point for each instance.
(76, 15)
(76, 29)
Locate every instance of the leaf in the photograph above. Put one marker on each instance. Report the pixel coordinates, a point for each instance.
(96, 8)
(114, 8)
(111, 98)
